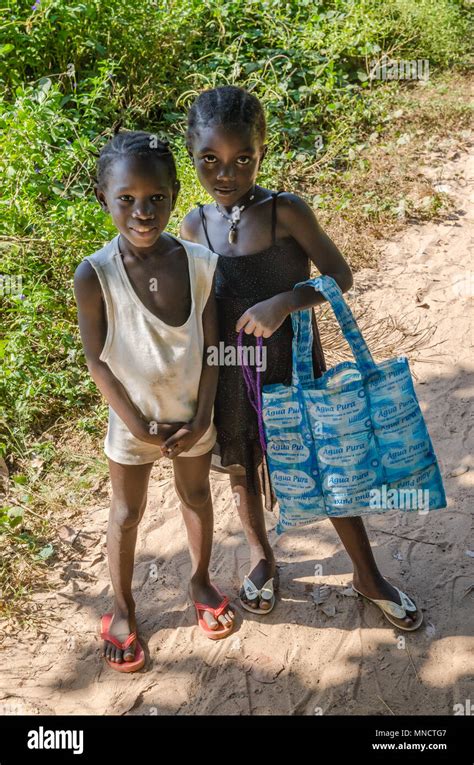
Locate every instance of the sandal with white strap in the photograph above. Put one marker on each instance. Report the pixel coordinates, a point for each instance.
(252, 592)
(398, 610)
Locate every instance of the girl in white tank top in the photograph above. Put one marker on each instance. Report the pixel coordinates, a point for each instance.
(147, 317)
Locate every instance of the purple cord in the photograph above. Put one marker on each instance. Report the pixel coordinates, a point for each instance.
(254, 390)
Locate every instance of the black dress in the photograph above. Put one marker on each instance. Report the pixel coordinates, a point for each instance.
(241, 282)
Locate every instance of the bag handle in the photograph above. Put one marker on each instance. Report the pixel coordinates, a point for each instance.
(302, 348)
(302, 331)
(254, 389)
(302, 345)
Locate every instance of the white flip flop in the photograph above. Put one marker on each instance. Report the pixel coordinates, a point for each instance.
(398, 610)
(252, 593)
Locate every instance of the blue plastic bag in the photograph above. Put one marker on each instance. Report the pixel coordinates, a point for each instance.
(352, 442)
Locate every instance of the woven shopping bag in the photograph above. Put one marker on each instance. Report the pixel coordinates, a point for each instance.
(352, 442)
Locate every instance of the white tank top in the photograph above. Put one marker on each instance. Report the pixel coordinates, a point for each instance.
(159, 365)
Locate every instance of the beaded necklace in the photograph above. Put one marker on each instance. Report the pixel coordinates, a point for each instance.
(234, 218)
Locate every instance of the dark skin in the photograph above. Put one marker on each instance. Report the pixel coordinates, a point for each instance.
(140, 195)
(229, 159)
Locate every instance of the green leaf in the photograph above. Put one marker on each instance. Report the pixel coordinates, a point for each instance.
(6, 49)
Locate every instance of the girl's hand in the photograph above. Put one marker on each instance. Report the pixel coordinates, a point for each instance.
(156, 433)
(264, 318)
(182, 441)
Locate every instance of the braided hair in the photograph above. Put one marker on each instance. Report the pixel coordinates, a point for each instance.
(227, 105)
(137, 143)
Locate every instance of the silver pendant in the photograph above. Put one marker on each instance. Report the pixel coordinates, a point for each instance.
(235, 216)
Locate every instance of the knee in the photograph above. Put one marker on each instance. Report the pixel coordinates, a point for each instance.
(194, 497)
(125, 514)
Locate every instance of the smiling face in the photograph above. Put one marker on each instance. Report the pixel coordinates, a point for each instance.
(140, 195)
(227, 161)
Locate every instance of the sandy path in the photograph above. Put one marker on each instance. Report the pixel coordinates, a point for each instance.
(298, 660)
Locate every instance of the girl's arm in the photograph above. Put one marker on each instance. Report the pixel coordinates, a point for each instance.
(93, 327)
(264, 318)
(301, 223)
(190, 226)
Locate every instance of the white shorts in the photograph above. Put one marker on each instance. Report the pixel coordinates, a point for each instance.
(123, 447)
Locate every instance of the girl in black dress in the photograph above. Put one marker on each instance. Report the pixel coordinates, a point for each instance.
(266, 243)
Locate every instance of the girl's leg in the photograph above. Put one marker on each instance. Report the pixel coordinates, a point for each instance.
(129, 493)
(262, 560)
(367, 578)
(191, 475)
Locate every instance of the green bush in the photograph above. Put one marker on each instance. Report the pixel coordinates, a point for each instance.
(69, 71)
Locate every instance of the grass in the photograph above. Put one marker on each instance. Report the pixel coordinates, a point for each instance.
(358, 200)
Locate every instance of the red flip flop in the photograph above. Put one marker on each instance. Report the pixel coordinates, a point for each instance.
(124, 666)
(210, 633)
